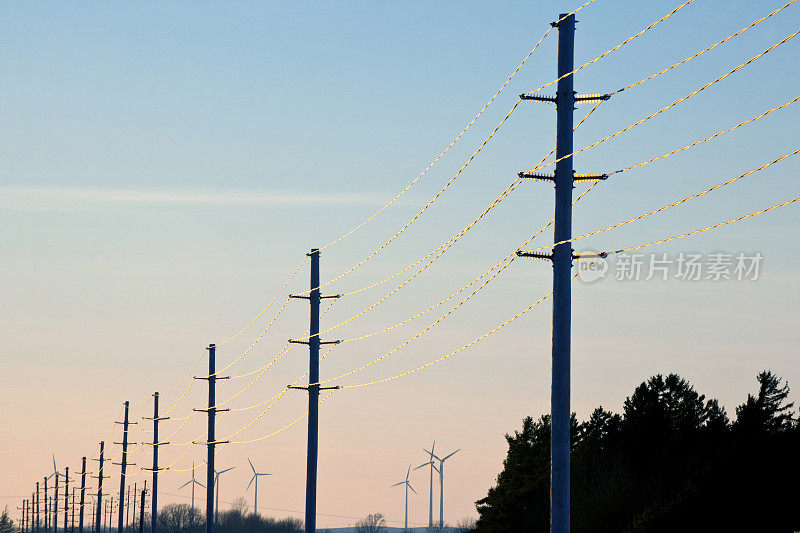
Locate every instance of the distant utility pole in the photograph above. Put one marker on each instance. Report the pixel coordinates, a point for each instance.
(135, 494)
(99, 502)
(212, 411)
(561, 258)
(21, 510)
(123, 465)
(46, 512)
(127, 508)
(83, 494)
(72, 512)
(313, 390)
(141, 510)
(37, 507)
(54, 506)
(155, 444)
(66, 497)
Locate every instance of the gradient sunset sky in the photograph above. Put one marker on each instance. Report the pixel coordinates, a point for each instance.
(164, 167)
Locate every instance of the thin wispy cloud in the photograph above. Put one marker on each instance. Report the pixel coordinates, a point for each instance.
(57, 198)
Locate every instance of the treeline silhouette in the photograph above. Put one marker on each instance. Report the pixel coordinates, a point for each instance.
(182, 518)
(672, 461)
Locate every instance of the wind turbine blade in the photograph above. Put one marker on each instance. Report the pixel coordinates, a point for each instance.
(401, 483)
(251, 465)
(434, 446)
(451, 455)
(198, 483)
(187, 483)
(408, 472)
(54, 464)
(423, 464)
(223, 471)
(412, 488)
(431, 454)
(251, 482)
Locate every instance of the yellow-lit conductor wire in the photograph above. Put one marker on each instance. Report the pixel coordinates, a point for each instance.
(453, 142)
(471, 343)
(272, 400)
(701, 52)
(262, 370)
(673, 104)
(452, 241)
(268, 400)
(449, 243)
(441, 250)
(420, 333)
(442, 358)
(509, 258)
(284, 428)
(264, 310)
(260, 374)
(610, 50)
(474, 154)
(256, 341)
(673, 204)
(717, 134)
(707, 228)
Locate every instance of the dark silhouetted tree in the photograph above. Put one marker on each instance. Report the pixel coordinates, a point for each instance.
(768, 411)
(669, 463)
(6, 523)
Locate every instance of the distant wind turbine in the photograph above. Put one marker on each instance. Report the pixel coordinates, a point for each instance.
(432, 465)
(192, 482)
(216, 484)
(54, 506)
(441, 481)
(408, 486)
(255, 478)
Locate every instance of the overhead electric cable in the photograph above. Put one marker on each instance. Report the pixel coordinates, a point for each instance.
(671, 205)
(524, 311)
(453, 142)
(673, 104)
(472, 157)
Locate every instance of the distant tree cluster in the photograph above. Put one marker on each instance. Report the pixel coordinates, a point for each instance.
(6, 523)
(181, 518)
(672, 461)
(373, 523)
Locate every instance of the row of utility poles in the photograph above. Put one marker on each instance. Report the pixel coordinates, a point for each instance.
(34, 521)
(561, 258)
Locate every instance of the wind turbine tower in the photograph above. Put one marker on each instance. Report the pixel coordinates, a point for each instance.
(408, 486)
(193, 482)
(216, 485)
(432, 465)
(441, 481)
(255, 478)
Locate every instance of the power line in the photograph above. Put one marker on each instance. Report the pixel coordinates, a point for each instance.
(480, 148)
(524, 311)
(453, 142)
(673, 104)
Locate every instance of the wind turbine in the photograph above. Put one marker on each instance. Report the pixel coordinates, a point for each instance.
(441, 481)
(432, 465)
(193, 482)
(216, 484)
(255, 478)
(408, 486)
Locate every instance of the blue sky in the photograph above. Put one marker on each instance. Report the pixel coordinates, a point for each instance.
(164, 166)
